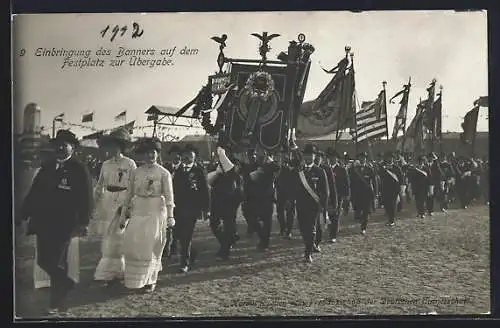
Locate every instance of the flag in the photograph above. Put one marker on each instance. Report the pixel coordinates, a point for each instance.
(332, 109)
(371, 120)
(481, 102)
(429, 118)
(469, 126)
(438, 116)
(59, 118)
(121, 116)
(400, 123)
(88, 117)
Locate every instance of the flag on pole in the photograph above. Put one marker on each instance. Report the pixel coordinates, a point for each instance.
(438, 116)
(371, 120)
(429, 118)
(59, 118)
(469, 126)
(332, 109)
(121, 116)
(400, 123)
(88, 117)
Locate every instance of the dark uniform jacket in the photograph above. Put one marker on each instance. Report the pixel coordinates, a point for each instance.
(261, 189)
(284, 182)
(363, 183)
(317, 180)
(226, 191)
(419, 182)
(332, 188)
(59, 201)
(437, 174)
(391, 177)
(191, 190)
(343, 182)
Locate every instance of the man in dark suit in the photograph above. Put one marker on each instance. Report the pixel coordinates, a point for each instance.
(191, 203)
(391, 178)
(58, 206)
(436, 180)
(173, 162)
(285, 205)
(226, 195)
(332, 211)
(343, 191)
(364, 188)
(311, 196)
(419, 177)
(259, 197)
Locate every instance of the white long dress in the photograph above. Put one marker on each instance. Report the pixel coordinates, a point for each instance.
(115, 172)
(152, 199)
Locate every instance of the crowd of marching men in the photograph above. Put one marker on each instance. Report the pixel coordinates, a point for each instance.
(147, 211)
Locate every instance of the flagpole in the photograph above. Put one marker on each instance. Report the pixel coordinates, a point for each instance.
(347, 50)
(475, 131)
(406, 115)
(441, 119)
(384, 83)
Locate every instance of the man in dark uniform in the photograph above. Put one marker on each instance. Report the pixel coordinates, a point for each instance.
(319, 161)
(285, 205)
(436, 184)
(58, 206)
(249, 190)
(343, 189)
(418, 176)
(172, 164)
(391, 177)
(191, 203)
(364, 188)
(331, 211)
(259, 197)
(311, 196)
(226, 195)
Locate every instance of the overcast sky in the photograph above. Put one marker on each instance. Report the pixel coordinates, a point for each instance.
(390, 46)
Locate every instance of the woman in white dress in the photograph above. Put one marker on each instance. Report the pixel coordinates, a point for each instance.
(149, 228)
(110, 194)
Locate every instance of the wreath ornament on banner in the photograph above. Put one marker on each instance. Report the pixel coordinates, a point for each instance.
(260, 85)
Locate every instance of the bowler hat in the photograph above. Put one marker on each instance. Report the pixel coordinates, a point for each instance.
(147, 144)
(190, 148)
(310, 149)
(66, 136)
(120, 136)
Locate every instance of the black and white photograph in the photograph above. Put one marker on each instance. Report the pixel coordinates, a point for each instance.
(250, 164)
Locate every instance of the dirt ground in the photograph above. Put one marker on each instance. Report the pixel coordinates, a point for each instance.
(438, 265)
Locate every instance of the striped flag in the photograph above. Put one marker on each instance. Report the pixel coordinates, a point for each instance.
(121, 116)
(88, 118)
(371, 120)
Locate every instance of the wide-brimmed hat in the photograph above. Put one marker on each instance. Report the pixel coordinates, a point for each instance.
(66, 136)
(121, 137)
(190, 148)
(147, 144)
(310, 149)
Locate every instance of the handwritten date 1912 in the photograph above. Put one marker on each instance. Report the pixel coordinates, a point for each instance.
(137, 32)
